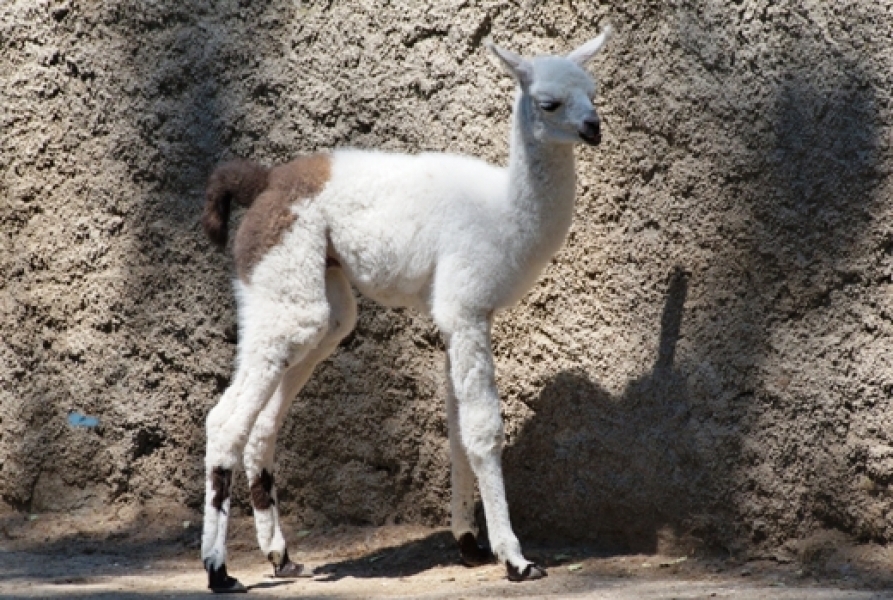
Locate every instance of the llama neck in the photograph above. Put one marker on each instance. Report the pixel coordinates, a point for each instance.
(542, 177)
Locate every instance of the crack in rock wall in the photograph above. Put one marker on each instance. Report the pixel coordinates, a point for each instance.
(706, 360)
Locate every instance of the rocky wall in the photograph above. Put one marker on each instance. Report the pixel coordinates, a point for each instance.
(706, 360)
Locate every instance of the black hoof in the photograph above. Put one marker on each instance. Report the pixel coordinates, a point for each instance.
(221, 583)
(530, 572)
(283, 567)
(289, 570)
(472, 553)
(233, 586)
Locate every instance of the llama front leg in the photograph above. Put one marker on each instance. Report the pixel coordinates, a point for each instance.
(481, 432)
(462, 522)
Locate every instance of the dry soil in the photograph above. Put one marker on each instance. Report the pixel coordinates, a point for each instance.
(154, 556)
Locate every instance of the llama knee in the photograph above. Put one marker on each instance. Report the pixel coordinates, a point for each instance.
(217, 454)
(216, 418)
(482, 433)
(225, 433)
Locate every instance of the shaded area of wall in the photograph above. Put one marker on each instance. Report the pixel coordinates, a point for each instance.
(111, 314)
(704, 362)
(754, 157)
(619, 469)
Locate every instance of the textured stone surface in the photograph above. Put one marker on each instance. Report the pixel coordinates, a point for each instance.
(706, 360)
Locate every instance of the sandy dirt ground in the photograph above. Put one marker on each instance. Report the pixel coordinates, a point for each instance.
(154, 555)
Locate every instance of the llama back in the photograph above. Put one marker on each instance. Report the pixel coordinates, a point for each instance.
(400, 199)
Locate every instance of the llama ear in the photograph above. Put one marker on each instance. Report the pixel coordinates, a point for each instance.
(584, 53)
(517, 66)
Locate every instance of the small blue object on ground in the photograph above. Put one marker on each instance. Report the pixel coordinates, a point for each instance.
(76, 419)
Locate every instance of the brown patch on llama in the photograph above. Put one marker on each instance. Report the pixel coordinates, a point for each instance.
(270, 215)
(221, 481)
(262, 491)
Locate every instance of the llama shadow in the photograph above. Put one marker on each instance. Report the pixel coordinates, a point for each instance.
(612, 470)
(404, 560)
(700, 453)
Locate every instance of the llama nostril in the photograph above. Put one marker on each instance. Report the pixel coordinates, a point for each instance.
(592, 126)
(591, 131)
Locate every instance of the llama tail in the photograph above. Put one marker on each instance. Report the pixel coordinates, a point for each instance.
(239, 180)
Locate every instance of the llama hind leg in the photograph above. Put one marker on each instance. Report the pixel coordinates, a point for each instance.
(270, 337)
(462, 520)
(481, 432)
(227, 425)
(260, 450)
(259, 462)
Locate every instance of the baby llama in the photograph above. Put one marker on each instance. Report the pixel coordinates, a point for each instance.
(448, 235)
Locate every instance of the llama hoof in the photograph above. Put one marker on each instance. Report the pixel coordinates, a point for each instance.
(529, 573)
(233, 586)
(289, 570)
(220, 582)
(283, 567)
(472, 553)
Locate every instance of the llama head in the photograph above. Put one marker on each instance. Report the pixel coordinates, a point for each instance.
(556, 94)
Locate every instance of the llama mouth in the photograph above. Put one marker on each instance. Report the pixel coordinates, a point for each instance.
(591, 140)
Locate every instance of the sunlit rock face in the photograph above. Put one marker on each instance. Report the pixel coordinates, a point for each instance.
(707, 361)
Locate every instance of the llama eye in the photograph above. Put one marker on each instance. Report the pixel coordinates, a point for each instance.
(550, 105)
